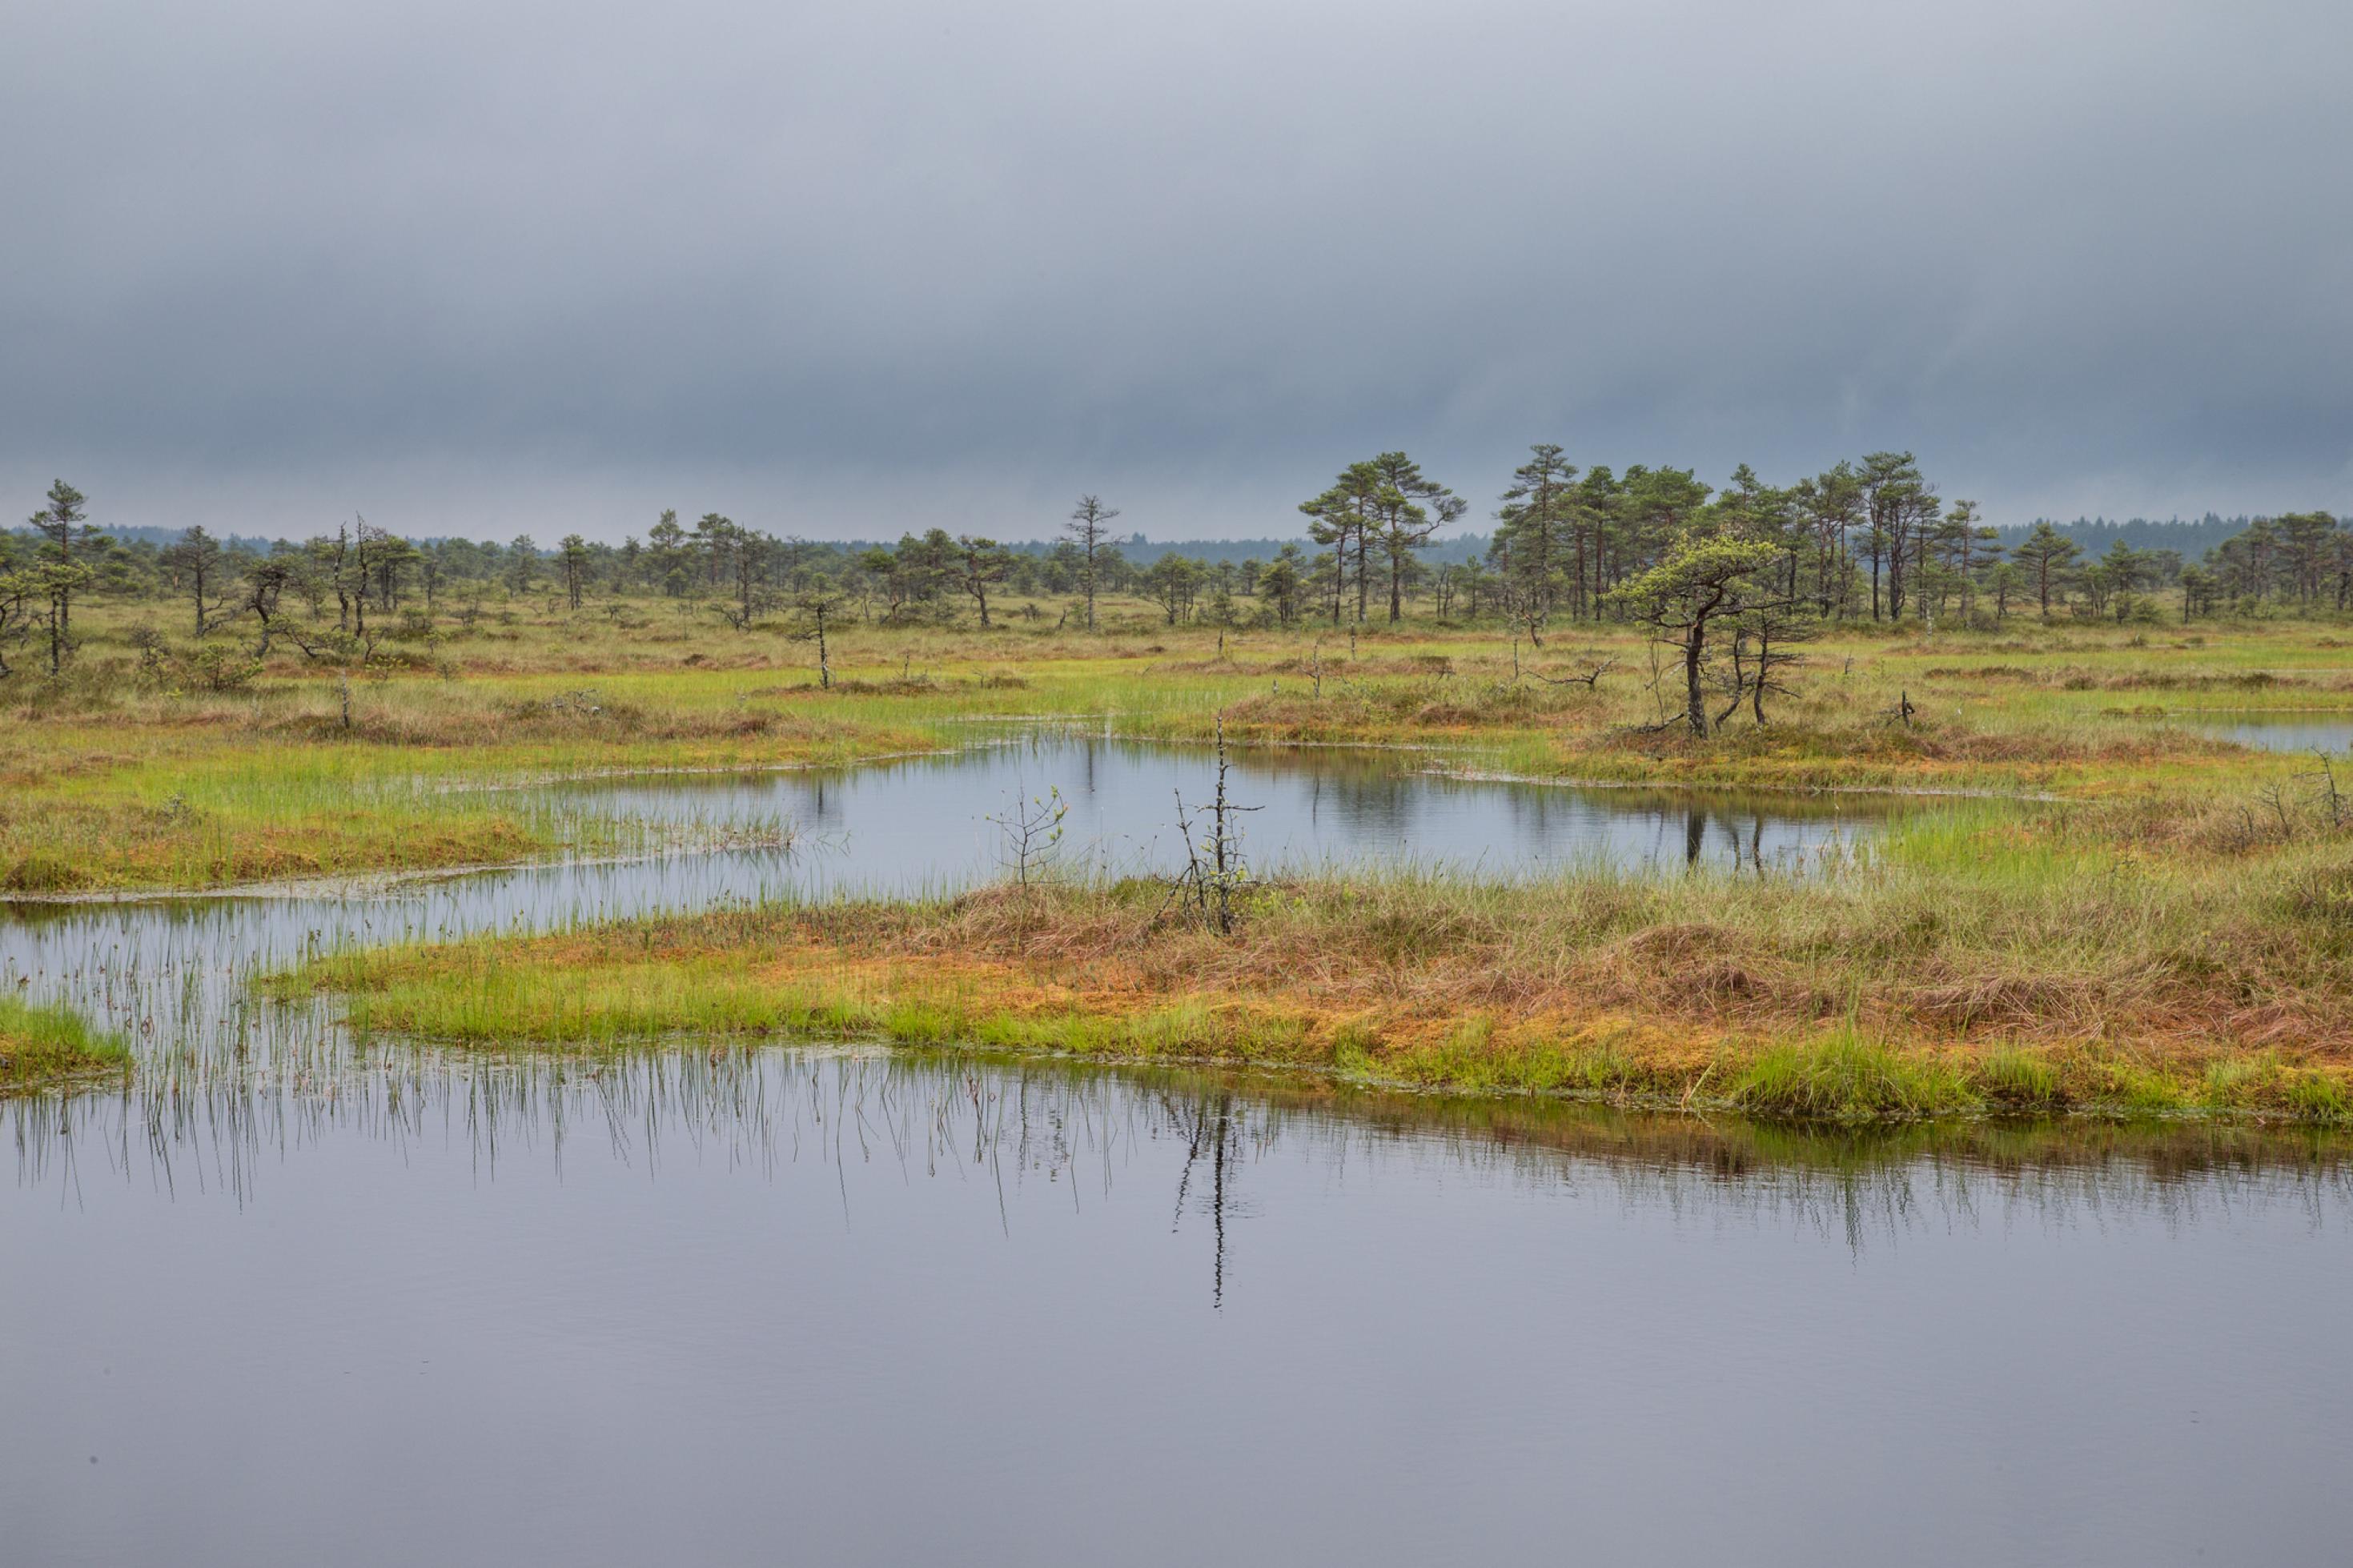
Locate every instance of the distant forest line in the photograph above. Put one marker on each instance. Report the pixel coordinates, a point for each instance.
(1761, 563)
(2191, 537)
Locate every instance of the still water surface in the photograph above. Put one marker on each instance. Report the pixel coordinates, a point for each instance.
(285, 1298)
(800, 1306)
(2274, 731)
(927, 821)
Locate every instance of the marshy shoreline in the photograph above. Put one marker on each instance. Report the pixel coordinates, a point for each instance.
(1865, 998)
(2069, 908)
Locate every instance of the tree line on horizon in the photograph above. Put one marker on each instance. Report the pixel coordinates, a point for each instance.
(1870, 540)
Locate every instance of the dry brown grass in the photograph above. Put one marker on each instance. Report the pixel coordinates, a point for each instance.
(1795, 997)
(1406, 957)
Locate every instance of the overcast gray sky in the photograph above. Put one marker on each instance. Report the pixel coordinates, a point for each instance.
(489, 268)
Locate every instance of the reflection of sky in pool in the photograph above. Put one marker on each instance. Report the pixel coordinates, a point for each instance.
(2274, 731)
(925, 821)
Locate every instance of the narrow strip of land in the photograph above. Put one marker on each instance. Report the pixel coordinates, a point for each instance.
(1974, 966)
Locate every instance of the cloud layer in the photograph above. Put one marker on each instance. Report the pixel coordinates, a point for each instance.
(848, 268)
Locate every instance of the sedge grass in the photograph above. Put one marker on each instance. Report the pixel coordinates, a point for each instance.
(2053, 975)
(44, 1044)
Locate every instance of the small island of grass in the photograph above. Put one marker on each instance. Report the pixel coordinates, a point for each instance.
(42, 1046)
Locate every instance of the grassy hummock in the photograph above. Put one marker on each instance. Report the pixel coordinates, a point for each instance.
(41, 1045)
(1975, 963)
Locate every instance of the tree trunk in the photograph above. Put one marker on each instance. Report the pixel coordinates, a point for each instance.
(1695, 705)
(1764, 669)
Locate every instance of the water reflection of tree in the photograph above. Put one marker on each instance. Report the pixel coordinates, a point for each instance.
(1746, 846)
(194, 1133)
(1209, 1120)
(1361, 802)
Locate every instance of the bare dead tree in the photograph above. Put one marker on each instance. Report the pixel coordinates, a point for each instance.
(2331, 801)
(1588, 677)
(1658, 699)
(1031, 837)
(1215, 871)
(818, 605)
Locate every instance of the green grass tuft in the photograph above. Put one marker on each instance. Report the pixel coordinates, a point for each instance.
(41, 1045)
(1846, 1076)
(2017, 1080)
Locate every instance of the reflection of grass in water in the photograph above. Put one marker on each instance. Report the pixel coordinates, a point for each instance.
(42, 1044)
(933, 1112)
(1733, 1146)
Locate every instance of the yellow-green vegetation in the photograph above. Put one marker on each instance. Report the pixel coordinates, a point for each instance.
(133, 772)
(2164, 927)
(1641, 1137)
(41, 1045)
(1980, 959)
(2155, 920)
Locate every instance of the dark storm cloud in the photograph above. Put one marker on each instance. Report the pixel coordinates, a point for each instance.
(852, 267)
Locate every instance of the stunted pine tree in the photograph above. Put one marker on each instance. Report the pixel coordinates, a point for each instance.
(2307, 540)
(1407, 509)
(1171, 583)
(61, 521)
(1696, 594)
(1533, 529)
(1089, 527)
(979, 564)
(265, 584)
(18, 591)
(1281, 586)
(1766, 631)
(572, 556)
(63, 571)
(2002, 580)
(522, 565)
(817, 605)
(2048, 558)
(667, 554)
(196, 562)
(1341, 518)
(1654, 508)
(373, 550)
(1903, 509)
(739, 560)
(1831, 506)
(1964, 545)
